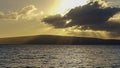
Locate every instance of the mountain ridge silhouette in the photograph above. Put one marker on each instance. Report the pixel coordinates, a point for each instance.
(58, 40)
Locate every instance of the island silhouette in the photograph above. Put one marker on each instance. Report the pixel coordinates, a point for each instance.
(58, 40)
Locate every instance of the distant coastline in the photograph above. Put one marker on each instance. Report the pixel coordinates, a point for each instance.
(58, 40)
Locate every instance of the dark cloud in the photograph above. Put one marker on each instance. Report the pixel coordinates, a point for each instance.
(93, 16)
(57, 21)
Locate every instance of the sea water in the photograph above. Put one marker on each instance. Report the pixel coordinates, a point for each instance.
(59, 56)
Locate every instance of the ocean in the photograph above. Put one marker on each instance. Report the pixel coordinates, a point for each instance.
(59, 56)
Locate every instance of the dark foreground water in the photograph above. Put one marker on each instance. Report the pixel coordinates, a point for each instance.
(59, 56)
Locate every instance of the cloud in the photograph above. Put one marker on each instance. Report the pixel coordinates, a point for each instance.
(57, 21)
(15, 15)
(8, 16)
(27, 10)
(95, 16)
(26, 22)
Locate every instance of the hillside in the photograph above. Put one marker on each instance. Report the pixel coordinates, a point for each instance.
(59, 40)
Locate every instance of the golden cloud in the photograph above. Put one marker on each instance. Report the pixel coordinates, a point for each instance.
(15, 15)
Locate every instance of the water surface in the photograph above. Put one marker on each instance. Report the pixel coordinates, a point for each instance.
(59, 56)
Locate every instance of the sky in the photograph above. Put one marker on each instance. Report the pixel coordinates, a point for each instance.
(60, 17)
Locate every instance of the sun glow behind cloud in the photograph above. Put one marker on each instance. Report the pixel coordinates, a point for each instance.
(80, 18)
(65, 5)
(26, 20)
